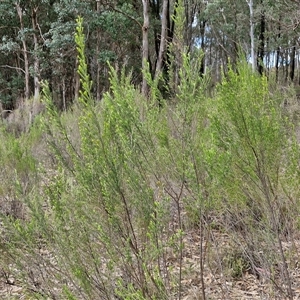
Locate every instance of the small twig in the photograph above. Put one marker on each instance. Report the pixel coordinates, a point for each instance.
(10, 67)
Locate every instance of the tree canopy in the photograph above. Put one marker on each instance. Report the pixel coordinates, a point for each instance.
(37, 41)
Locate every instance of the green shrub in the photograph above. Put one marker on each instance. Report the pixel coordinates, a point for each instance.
(253, 152)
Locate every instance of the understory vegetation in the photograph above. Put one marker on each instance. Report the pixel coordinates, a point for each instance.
(96, 202)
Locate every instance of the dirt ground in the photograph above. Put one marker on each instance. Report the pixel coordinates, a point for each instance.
(218, 284)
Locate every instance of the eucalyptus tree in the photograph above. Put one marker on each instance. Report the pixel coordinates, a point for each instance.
(38, 44)
(61, 50)
(112, 36)
(276, 36)
(265, 30)
(171, 27)
(11, 49)
(23, 26)
(227, 29)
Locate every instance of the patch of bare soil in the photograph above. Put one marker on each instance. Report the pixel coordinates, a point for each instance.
(219, 284)
(9, 289)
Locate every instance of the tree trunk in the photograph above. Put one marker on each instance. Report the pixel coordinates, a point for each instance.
(25, 54)
(261, 47)
(64, 102)
(202, 35)
(277, 63)
(163, 38)
(36, 64)
(145, 54)
(292, 66)
(98, 75)
(278, 51)
(253, 60)
(286, 65)
(234, 48)
(154, 6)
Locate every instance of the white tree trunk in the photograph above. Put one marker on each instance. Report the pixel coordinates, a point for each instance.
(163, 38)
(253, 58)
(145, 56)
(36, 64)
(25, 53)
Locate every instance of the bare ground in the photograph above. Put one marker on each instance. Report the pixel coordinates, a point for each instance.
(218, 282)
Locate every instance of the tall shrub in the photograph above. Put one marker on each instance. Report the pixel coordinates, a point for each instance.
(252, 151)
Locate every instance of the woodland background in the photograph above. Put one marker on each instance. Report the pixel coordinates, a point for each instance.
(37, 41)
